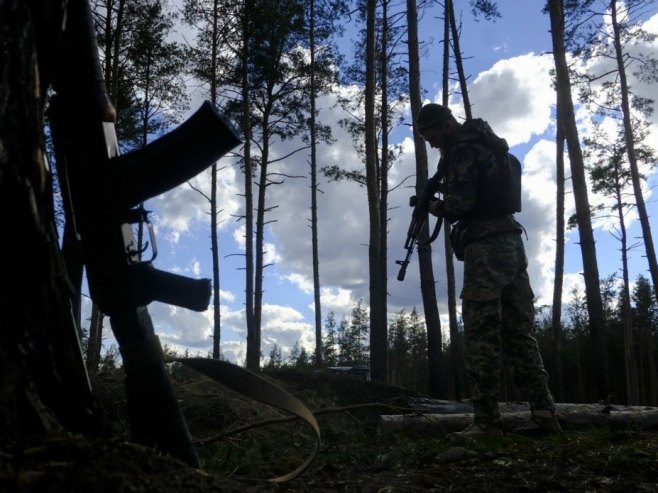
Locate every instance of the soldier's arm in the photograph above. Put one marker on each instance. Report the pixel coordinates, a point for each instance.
(461, 184)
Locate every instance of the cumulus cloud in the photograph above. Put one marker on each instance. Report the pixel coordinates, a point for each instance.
(187, 206)
(514, 95)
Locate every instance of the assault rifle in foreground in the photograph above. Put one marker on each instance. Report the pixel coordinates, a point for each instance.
(418, 220)
(102, 191)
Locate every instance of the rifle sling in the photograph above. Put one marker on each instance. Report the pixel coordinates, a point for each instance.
(255, 387)
(437, 230)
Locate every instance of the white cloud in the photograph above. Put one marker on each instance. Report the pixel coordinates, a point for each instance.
(226, 296)
(514, 96)
(337, 300)
(183, 207)
(304, 283)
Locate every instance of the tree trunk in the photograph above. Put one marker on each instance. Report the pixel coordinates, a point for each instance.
(557, 378)
(254, 345)
(630, 149)
(43, 384)
(458, 60)
(314, 198)
(571, 416)
(432, 320)
(253, 352)
(456, 349)
(95, 341)
(383, 186)
(214, 233)
(378, 324)
(587, 245)
(630, 362)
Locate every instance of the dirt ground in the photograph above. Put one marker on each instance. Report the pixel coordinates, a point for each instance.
(240, 452)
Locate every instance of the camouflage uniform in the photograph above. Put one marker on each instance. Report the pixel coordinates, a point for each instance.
(497, 300)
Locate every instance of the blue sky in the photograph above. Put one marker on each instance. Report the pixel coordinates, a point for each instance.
(508, 63)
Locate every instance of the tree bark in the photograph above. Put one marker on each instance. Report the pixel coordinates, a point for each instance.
(383, 167)
(314, 196)
(587, 244)
(458, 60)
(557, 378)
(427, 284)
(253, 350)
(456, 349)
(95, 340)
(378, 323)
(43, 382)
(570, 416)
(214, 229)
(630, 149)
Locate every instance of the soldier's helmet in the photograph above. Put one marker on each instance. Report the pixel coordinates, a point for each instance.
(431, 115)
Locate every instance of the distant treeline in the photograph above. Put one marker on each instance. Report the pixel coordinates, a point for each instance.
(346, 344)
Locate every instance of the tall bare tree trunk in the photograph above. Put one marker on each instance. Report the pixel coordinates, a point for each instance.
(95, 340)
(558, 282)
(587, 245)
(630, 362)
(630, 149)
(458, 60)
(214, 233)
(314, 198)
(653, 371)
(378, 324)
(382, 302)
(253, 350)
(456, 349)
(427, 284)
(113, 34)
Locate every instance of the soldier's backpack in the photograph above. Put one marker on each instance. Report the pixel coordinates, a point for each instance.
(480, 131)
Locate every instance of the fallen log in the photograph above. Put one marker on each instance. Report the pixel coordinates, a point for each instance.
(570, 416)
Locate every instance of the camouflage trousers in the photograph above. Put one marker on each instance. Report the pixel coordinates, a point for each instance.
(498, 313)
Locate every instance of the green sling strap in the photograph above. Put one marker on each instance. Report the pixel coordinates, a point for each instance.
(255, 387)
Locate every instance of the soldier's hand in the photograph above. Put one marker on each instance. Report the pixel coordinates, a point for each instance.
(436, 207)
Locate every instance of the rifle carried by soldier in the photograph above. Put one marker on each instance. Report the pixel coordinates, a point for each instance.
(419, 219)
(101, 191)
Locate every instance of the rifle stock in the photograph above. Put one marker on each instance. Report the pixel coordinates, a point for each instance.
(100, 188)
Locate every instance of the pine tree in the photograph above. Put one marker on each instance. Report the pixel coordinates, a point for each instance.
(645, 317)
(330, 342)
(426, 272)
(398, 358)
(587, 244)
(275, 358)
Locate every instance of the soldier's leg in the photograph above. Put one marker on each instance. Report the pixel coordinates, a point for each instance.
(520, 347)
(482, 323)
(489, 264)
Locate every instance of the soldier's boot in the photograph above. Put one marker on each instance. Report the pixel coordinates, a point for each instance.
(477, 431)
(542, 422)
